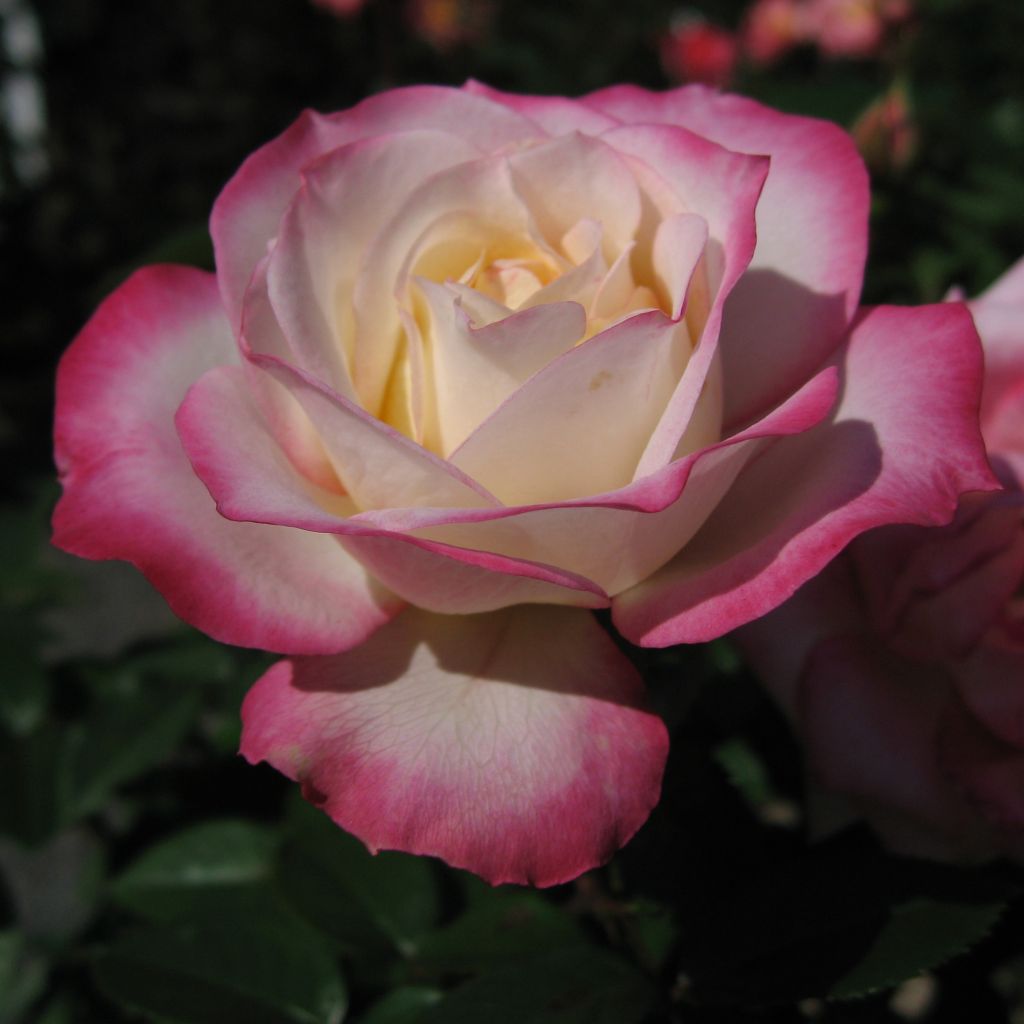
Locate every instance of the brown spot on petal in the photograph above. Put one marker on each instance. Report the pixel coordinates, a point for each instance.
(599, 380)
(315, 796)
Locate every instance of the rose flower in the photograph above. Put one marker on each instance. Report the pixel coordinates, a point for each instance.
(902, 665)
(506, 359)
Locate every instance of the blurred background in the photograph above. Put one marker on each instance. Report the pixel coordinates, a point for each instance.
(146, 873)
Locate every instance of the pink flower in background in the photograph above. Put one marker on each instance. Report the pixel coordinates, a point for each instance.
(886, 133)
(838, 28)
(346, 8)
(473, 364)
(902, 665)
(693, 50)
(771, 28)
(847, 28)
(445, 24)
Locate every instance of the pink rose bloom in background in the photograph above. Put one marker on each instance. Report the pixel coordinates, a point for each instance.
(846, 28)
(902, 665)
(839, 28)
(886, 132)
(771, 28)
(472, 365)
(445, 24)
(693, 50)
(346, 8)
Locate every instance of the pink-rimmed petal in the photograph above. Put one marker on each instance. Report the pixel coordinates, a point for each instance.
(515, 745)
(897, 565)
(130, 493)
(246, 214)
(579, 426)
(997, 313)
(618, 538)
(792, 307)
(910, 376)
(723, 188)
(252, 481)
(323, 237)
(378, 466)
(557, 115)
(261, 334)
(574, 178)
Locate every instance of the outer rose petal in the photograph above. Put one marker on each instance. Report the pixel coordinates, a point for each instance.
(997, 313)
(873, 725)
(555, 114)
(791, 309)
(246, 471)
(911, 375)
(246, 214)
(513, 744)
(130, 493)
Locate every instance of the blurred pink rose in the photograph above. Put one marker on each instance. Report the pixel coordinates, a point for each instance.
(694, 50)
(847, 28)
(506, 359)
(839, 28)
(902, 665)
(772, 28)
(346, 8)
(445, 24)
(886, 133)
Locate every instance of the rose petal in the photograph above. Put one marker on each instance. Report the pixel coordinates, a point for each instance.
(378, 466)
(724, 189)
(235, 455)
(344, 199)
(989, 772)
(246, 214)
(470, 205)
(897, 565)
(555, 114)
(991, 684)
(580, 425)
(514, 744)
(576, 177)
(130, 493)
(910, 376)
(870, 724)
(997, 313)
(792, 307)
(475, 369)
(620, 537)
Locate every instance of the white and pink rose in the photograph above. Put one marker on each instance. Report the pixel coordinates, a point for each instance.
(471, 366)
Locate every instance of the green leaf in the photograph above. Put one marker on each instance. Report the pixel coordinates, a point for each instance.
(567, 987)
(363, 900)
(30, 766)
(54, 887)
(23, 975)
(919, 935)
(403, 1006)
(215, 973)
(126, 736)
(181, 873)
(507, 925)
(25, 685)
